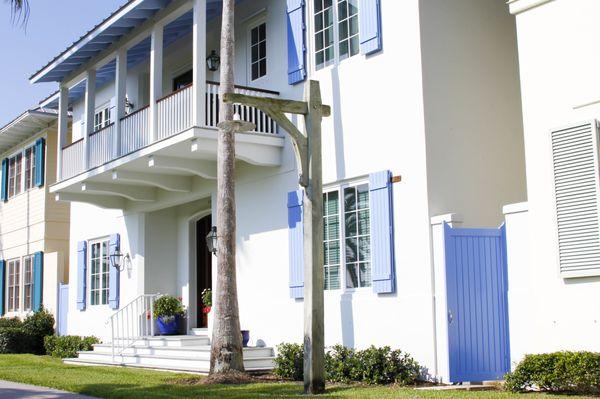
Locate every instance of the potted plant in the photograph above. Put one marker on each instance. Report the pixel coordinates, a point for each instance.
(168, 312)
(206, 300)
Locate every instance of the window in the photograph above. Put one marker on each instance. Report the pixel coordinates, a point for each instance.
(335, 21)
(354, 210)
(14, 285)
(29, 167)
(99, 272)
(28, 283)
(258, 51)
(101, 118)
(14, 175)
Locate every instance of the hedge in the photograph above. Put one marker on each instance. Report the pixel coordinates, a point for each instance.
(26, 336)
(567, 372)
(67, 346)
(370, 366)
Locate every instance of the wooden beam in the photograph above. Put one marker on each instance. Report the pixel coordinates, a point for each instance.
(181, 184)
(133, 193)
(279, 104)
(102, 201)
(202, 168)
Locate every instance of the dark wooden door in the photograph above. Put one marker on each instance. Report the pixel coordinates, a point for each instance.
(203, 265)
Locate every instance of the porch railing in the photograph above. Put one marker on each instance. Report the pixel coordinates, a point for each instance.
(174, 114)
(101, 145)
(135, 131)
(131, 323)
(72, 159)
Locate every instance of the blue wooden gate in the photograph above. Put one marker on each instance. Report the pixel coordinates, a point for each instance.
(63, 308)
(476, 283)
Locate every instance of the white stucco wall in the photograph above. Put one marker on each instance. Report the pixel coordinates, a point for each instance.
(558, 67)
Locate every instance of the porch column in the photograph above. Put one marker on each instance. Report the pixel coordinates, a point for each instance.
(156, 74)
(120, 93)
(199, 63)
(63, 119)
(90, 110)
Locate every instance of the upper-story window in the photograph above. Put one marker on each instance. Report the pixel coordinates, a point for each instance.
(99, 272)
(21, 171)
(335, 30)
(347, 249)
(258, 51)
(101, 118)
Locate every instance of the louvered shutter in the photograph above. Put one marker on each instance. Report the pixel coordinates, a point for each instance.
(2, 284)
(4, 188)
(576, 188)
(296, 40)
(114, 274)
(81, 274)
(40, 155)
(296, 243)
(369, 15)
(382, 232)
(38, 280)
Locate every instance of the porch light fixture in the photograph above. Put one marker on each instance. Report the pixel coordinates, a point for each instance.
(211, 240)
(213, 61)
(118, 260)
(129, 106)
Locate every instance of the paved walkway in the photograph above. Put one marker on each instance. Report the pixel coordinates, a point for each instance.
(12, 390)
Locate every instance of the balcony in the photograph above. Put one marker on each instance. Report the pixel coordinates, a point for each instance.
(174, 117)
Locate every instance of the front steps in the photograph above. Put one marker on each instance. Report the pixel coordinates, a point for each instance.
(183, 353)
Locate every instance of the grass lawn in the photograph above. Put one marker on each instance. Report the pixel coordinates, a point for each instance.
(122, 383)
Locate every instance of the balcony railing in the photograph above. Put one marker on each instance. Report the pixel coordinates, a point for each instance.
(175, 115)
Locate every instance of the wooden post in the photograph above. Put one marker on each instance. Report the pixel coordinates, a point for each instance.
(63, 120)
(156, 78)
(199, 62)
(314, 331)
(90, 111)
(120, 96)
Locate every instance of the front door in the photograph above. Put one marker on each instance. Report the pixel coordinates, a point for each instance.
(203, 265)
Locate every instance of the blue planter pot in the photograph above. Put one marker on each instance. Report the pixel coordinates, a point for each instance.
(169, 325)
(245, 338)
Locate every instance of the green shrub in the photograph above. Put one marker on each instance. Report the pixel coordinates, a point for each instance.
(15, 340)
(167, 306)
(289, 361)
(10, 322)
(67, 346)
(37, 326)
(370, 366)
(569, 372)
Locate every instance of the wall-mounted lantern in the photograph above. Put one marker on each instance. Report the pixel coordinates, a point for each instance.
(118, 260)
(211, 240)
(213, 61)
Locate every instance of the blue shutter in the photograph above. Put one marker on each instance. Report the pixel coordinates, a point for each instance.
(2, 281)
(296, 237)
(38, 278)
(382, 232)
(369, 16)
(40, 155)
(4, 188)
(114, 274)
(296, 38)
(81, 274)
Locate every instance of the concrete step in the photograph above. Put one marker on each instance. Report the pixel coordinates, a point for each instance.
(171, 362)
(200, 351)
(199, 331)
(173, 341)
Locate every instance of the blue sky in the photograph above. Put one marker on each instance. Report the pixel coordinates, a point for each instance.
(52, 26)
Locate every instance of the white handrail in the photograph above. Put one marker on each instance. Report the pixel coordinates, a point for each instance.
(132, 322)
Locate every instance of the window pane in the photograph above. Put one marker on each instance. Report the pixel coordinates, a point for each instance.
(351, 250)
(342, 10)
(363, 222)
(334, 253)
(349, 199)
(332, 203)
(351, 276)
(354, 46)
(319, 41)
(318, 22)
(254, 71)
(364, 244)
(318, 5)
(350, 220)
(328, 36)
(334, 277)
(352, 7)
(365, 275)
(263, 67)
(254, 35)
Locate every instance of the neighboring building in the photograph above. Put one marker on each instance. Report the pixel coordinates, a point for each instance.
(423, 89)
(554, 238)
(34, 228)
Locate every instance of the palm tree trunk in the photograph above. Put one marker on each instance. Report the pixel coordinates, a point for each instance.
(226, 351)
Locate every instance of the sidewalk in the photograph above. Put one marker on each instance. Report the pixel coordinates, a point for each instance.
(13, 390)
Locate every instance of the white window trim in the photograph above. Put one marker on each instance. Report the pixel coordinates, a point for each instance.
(254, 23)
(23, 159)
(311, 51)
(89, 273)
(340, 186)
(20, 310)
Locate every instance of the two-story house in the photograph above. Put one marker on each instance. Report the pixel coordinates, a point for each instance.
(554, 238)
(423, 89)
(34, 228)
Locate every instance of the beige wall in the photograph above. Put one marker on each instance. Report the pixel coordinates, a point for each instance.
(33, 221)
(475, 155)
